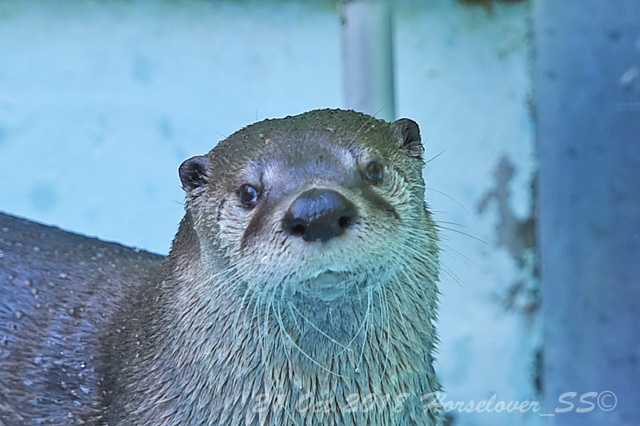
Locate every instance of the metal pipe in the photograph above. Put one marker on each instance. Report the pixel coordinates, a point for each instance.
(367, 51)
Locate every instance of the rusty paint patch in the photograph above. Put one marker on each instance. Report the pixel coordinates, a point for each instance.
(488, 4)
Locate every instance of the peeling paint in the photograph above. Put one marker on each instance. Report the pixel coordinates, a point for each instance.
(517, 236)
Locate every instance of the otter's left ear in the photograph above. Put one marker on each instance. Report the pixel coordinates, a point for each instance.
(194, 172)
(409, 134)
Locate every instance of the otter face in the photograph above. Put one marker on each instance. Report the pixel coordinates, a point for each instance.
(318, 203)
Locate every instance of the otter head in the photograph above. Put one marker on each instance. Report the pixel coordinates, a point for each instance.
(319, 204)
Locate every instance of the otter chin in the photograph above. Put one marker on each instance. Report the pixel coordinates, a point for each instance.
(301, 287)
(330, 285)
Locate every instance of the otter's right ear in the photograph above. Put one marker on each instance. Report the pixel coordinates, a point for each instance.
(194, 172)
(409, 133)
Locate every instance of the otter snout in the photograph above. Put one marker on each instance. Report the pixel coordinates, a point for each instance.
(319, 215)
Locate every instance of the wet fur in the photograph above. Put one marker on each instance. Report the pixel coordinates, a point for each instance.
(220, 333)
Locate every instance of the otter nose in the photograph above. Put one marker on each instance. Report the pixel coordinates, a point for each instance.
(319, 214)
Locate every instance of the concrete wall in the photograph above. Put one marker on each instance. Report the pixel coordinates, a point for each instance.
(101, 101)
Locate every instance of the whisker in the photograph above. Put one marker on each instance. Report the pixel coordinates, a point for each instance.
(366, 330)
(315, 327)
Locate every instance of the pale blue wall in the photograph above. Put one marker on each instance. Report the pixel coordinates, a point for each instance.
(101, 101)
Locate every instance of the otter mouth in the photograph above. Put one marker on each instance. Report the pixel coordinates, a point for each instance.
(330, 285)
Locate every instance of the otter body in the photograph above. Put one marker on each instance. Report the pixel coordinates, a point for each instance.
(58, 295)
(301, 288)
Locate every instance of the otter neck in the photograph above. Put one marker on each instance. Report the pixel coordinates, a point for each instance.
(288, 362)
(280, 359)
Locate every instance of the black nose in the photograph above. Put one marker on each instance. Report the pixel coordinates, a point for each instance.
(319, 214)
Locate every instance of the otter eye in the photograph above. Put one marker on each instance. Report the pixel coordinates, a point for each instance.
(248, 195)
(374, 172)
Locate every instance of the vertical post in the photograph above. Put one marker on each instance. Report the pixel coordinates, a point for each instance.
(367, 53)
(587, 80)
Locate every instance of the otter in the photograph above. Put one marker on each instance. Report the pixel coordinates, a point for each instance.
(300, 289)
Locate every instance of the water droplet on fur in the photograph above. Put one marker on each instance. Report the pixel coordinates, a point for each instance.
(85, 389)
(629, 76)
(75, 312)
(62, 275)
(18, 315)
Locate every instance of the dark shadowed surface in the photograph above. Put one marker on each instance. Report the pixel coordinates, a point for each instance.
(589, 134)
(58, 291)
